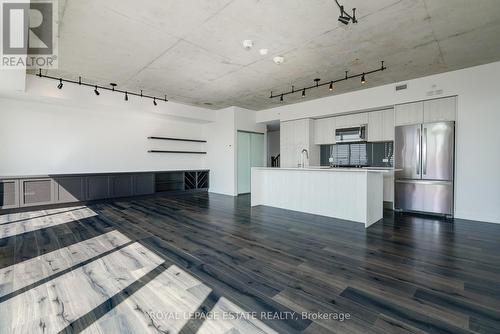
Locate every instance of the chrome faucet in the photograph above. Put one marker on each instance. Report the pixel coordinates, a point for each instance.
(303, 162)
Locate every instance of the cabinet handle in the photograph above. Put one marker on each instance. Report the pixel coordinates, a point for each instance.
(418, 152)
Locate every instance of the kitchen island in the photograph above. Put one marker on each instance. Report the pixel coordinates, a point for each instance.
(354, 194)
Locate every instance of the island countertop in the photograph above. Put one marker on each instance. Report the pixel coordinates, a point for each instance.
(330, 169)
(354, 194)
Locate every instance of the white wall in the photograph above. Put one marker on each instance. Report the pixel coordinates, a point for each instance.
(221, 136)
(273, 145)
(51, 131)
(222, 146)
(477, 177)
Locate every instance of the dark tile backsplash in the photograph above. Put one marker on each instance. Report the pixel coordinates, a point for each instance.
(379, 154)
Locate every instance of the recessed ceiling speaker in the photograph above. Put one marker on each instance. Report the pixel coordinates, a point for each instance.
(279, 60)
(247, 44)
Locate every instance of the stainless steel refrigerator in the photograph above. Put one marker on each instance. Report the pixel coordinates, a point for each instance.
(424, 156)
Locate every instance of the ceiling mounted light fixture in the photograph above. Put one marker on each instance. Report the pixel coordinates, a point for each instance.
(263, 52)
(279, 60)
(98, 87)
(154, 101)
(281, 98)
(344, 17)
(332, 82)
(247, 44)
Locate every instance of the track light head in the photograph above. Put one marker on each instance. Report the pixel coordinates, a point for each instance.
(331, 88)
(344, 19)
(281, 98)
(126, 96)
(363, 79)
(60, 86)
(96, 91)
(304, 92)
(154, 101)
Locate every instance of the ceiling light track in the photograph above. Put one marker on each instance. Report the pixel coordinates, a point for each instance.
(330, 83)
(344, 17)
(97, 87)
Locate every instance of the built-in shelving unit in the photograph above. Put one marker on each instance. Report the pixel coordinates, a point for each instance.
(179, 139)
(42, 190)
(181, 152)
(177, 151)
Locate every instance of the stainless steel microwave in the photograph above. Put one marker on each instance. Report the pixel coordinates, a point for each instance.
(351, 134)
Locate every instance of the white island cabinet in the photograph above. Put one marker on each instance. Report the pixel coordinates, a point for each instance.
(344, 193)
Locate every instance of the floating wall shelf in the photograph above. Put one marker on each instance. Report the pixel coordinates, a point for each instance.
(182, 152)
(179, 139)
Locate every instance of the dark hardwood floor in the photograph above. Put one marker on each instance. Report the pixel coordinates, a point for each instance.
(402, 275)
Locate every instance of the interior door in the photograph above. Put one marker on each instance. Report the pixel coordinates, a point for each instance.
(243, 162)
(437, 151)
(250, 154)
(407, 151)
(257, 158)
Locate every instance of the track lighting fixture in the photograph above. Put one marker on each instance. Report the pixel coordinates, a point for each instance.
(281, 98)
(330, 83)
(345, 18)
(97, 87)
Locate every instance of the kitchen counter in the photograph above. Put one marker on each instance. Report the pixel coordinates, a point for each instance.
(330, 169)
(354, 194)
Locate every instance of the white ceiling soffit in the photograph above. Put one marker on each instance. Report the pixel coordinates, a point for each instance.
(192, 50)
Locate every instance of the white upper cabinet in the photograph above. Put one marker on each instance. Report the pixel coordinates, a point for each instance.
(440, 109)
(409, 113)
(351, 120)
(381, 125)
(376, 126)
(324, 131)
(388, 124)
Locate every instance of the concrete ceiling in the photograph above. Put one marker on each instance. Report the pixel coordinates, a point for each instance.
(191, 49)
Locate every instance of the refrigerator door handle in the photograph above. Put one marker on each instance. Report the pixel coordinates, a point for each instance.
(424, 152)
(418, 152)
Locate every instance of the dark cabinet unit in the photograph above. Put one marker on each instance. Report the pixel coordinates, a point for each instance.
(121, 185)
(98, 187)
(9, 194)
(29, 191)
(144, 184)
(70, 189)
(169, 181)
(36, 192)
(196, 180)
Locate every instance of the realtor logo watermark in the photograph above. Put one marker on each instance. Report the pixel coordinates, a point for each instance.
(29, 34)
